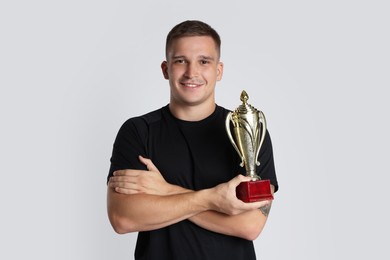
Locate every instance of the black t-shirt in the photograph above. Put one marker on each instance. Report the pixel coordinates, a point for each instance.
(194, 155)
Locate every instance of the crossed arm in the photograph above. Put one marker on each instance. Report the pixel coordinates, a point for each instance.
(139, 201)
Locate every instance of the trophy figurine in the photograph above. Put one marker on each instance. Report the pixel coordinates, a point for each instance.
(249, 128)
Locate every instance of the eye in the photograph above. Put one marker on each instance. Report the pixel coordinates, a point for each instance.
(180, 61)
(204, 62)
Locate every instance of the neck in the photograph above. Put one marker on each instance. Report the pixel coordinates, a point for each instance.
(192, 113)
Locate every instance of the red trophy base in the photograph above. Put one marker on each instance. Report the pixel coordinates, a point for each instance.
(251, 191)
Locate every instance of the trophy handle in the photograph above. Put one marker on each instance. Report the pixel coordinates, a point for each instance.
(263, 132)
(227, 126)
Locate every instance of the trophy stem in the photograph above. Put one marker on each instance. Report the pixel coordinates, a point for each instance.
(253, 176)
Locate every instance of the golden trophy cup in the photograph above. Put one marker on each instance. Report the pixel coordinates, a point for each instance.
(249, 128)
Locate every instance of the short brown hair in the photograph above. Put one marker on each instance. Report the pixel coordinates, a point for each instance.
(192, 28)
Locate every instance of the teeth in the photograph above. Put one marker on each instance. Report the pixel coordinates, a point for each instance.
(190, 85)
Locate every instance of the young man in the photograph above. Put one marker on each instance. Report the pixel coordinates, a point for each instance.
(174, 171)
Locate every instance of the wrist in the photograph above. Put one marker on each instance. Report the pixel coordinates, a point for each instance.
(176, 189)
(203, 199)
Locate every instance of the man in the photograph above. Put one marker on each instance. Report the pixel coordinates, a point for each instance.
(174, 172)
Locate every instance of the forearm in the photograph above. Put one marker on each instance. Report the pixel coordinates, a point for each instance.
(130, 210)
(247, 225)
(142, 212)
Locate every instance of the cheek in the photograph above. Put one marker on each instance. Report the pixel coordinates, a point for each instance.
(211, 75)
(176, 72)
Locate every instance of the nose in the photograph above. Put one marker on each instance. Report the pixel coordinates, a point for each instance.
(191, 70)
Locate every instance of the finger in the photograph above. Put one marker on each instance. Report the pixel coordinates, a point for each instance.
(124, 179)
(124, 185)
(240, 178)
(126, 191)
(120, 172)
(127, 173)
(116, 173)
(148, 163)
(129, 177)
(245, 178)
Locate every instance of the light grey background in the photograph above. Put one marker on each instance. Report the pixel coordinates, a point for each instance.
(71, 72)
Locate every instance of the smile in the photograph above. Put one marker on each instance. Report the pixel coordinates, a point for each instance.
(191, 85)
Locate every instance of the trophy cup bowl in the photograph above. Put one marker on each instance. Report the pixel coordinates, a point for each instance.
(249, 128)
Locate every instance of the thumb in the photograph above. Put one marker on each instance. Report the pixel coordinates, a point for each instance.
(240, 178)
(148, 163)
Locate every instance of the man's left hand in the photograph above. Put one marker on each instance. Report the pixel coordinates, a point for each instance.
(131, 181)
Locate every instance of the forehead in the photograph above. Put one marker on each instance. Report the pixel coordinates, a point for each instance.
(193, 45)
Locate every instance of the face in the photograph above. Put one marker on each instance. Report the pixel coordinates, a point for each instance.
(192, 68)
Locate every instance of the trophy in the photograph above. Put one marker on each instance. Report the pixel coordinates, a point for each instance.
(249, 128)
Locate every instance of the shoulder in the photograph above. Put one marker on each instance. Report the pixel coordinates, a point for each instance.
(223, 111)
(139, 125)
(145, 120)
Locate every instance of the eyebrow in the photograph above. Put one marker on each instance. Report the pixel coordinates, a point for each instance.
(204, 57)
(178, 57)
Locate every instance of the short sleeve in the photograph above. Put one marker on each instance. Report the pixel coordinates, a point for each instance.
(266, 170)
(130, 142)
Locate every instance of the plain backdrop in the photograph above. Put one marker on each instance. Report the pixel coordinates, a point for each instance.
(71, 72)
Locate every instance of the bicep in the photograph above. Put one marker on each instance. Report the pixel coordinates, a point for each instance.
(128, 145)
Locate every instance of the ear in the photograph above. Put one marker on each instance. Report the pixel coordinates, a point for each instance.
(219, 71)
(164, 69)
